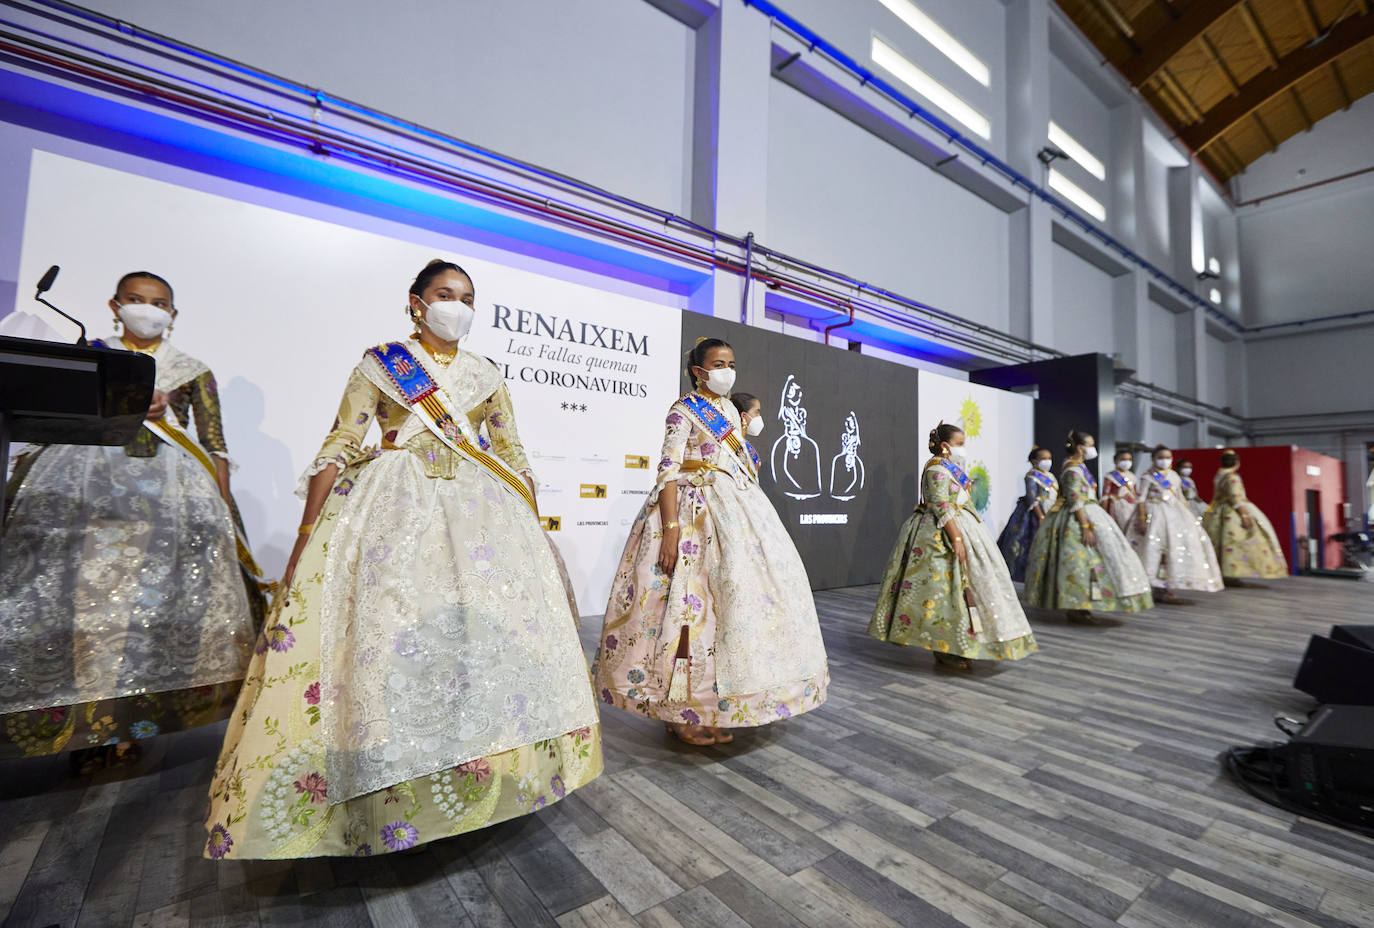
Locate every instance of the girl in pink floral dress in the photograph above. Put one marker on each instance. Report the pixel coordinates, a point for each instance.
(710, 624)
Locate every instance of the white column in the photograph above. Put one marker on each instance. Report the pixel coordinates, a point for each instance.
(730, 143)
(1028, 117)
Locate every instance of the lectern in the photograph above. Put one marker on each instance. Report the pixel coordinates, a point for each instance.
(52, 393)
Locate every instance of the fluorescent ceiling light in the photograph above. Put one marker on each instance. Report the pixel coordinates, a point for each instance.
(888, 58)
(1076, 195)
(945, 43)
(1213, 266)
(1069, 146)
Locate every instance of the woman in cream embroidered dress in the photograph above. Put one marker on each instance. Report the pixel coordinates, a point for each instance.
(710, 624)
(422, 676)
(1080, 560)
(1019, 533)
(1242, 535)
(1166, 535)
(123, 609)
(947, 588)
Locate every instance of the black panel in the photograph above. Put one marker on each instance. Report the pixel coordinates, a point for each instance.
(1077, 392)
(834, 383)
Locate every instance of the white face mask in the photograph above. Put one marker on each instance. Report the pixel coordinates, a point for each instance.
(958, 455)
(754, 427)
(1126, 465)
(144, 319)
(1185, 471)
(1045, 464)
(1163, 463)
(720, 380)
(449, 319)
(1090, 454)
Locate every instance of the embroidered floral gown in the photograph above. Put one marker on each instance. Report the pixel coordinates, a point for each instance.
(1191, 496)
(739, 586)
(921, 599)
(1065, 573)
(1019, 532)
(1170, 543)
(1242, 552)
(123, 609)
(1120, 497)
(422, 677)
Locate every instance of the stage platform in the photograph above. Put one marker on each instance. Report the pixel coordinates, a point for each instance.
(1078, 787)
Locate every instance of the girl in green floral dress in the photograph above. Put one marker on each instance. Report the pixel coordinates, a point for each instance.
(947, 588)
(1080, 560)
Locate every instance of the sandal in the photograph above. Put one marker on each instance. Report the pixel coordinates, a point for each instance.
(953, 661)
(695, 735)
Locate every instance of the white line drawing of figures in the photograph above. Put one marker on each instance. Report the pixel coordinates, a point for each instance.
(847, 465)
(796, 459)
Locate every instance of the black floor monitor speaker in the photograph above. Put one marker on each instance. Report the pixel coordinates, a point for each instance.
(1331, 761)
(1361, 636)
(1336, 672)
(1325, 772)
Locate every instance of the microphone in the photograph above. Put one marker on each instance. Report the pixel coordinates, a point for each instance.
(44, 285)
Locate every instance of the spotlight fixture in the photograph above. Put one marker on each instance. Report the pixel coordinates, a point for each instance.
(1208, 274)
(1049, 154)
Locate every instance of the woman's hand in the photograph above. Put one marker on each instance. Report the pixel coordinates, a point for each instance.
(960, 551)
(667, 550)
(1245, 521)
(291, 563)
(159, 406)
(1089, 535)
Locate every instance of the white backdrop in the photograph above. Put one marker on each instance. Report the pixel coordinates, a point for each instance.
(999, 428)
(281, 307)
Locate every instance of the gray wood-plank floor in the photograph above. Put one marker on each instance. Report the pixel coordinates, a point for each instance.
(1079, 787)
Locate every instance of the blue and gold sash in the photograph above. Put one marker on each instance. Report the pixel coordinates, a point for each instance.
(1161, 479)
(427, 401)
(1045, 480)
(957, 473)
(1088, 475)
(1117, 479)
(753, 455)
(718, 426)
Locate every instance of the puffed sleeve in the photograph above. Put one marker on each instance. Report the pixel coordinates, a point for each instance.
(939, 492)
(1032, 490)
(206, 409)
(343, 445)
(499, 413)
(677, 428)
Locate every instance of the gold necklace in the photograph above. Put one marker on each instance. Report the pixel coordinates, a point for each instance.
(442, 358)
(149, 350)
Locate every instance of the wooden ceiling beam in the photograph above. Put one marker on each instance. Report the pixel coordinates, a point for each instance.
(1257, 33)
(1173, 38)
(1264, 131)
(1238, 166)
(1269, 84)
(1339, 81)
(1220, 64)
(1308, 18)
(1191, 110)
(1302, 110)
(1118, 20)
